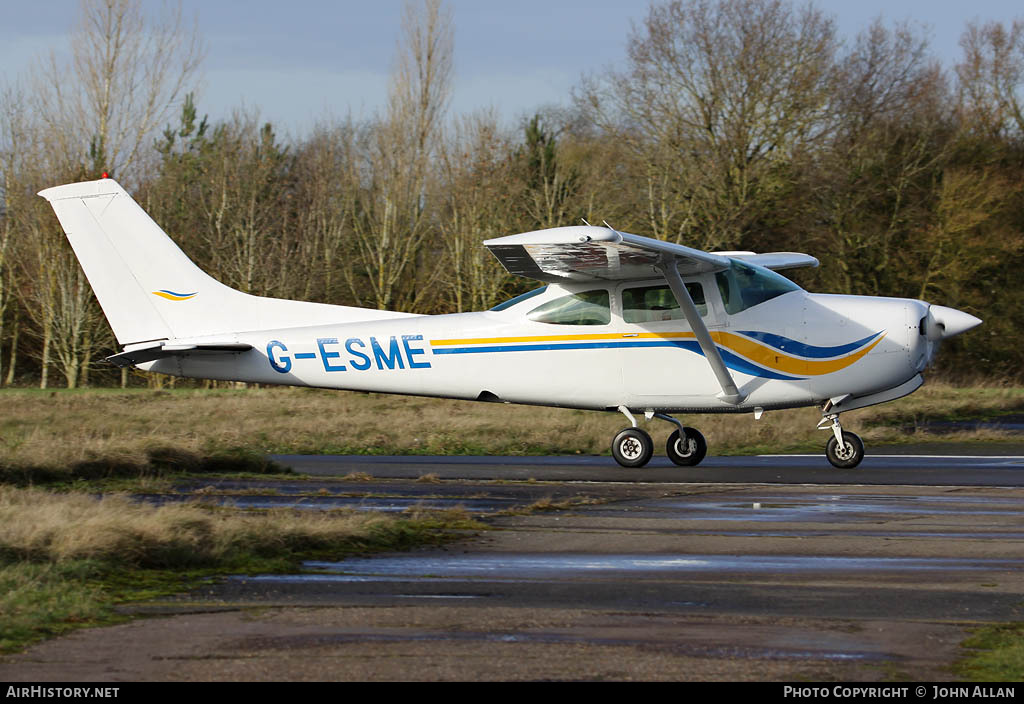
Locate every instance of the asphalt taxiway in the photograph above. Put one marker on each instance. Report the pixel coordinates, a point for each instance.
(975, 467)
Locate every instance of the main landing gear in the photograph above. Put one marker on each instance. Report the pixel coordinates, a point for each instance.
(633, 447)
(845, 450)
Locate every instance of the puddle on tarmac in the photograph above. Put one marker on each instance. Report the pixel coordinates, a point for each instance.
(853, 533)
(548, 638)
(440, 596)
(814, 508)
(568, 566)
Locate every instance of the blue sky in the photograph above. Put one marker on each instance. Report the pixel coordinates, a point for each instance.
(299, 60)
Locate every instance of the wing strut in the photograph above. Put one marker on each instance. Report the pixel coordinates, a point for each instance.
(730, 394)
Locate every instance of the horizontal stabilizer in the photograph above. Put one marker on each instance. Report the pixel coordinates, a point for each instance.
(170, 348)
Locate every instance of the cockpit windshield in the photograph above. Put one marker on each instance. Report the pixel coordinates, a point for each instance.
(520, 298)
(744, 286)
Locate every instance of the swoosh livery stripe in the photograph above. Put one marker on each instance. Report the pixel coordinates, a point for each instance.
(785, 363)
(793, 347)
(174, 296)
(754, 353)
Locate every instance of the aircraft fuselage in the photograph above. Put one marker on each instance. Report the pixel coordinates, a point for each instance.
(816, 347)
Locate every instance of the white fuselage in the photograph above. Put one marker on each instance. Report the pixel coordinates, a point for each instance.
(796, 349)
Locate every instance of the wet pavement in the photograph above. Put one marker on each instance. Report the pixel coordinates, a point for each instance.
(970, 465)
(637, 580)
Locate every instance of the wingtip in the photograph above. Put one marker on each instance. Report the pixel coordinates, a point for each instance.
(99, 187)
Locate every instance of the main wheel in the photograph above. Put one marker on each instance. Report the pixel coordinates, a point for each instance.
(632, 448)
(849, 454)
(686, 451)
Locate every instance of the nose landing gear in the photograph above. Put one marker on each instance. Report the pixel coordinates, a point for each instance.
(845, 450)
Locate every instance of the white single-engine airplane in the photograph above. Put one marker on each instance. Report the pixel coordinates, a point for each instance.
(623, 323)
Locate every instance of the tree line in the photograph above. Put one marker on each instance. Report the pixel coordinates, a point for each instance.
(732, 125)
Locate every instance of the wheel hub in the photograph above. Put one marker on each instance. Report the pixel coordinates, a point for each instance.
(685, 448)
(844, 451)
(631, 448)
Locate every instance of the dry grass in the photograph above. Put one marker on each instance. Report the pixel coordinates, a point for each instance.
(66, 558)
(104, 431)
(39, 526)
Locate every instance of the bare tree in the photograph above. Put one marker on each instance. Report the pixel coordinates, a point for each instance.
(992, 77)
(871, 190)
(326, 204)
(14, 138)
(241, 203)
(392, 221)
(481, 193)
(717, 99)
(123, 79)
(96, 111)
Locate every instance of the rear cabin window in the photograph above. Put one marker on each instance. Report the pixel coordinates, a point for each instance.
(586, 308)
(653, 303)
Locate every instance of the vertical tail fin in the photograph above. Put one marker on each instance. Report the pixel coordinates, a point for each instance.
(150, 290)
(124, 270)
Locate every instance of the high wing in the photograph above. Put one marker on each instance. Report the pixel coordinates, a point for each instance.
(588, 253)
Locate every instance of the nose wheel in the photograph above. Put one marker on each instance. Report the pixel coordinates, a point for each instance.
(844, 450)
(845, 455)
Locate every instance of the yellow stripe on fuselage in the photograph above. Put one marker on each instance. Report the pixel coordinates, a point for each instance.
(756, 352)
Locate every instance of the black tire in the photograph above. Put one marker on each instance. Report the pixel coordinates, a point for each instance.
(848, 456)
(632, 448)
(688, 451)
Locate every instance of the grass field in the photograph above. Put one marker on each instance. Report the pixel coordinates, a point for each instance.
(53, 435)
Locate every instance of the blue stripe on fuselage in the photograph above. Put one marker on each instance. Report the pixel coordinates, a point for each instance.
(731, 360)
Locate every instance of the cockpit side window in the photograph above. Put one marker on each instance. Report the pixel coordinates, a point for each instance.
(585, 308)
(744, 286)
(652, 303)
